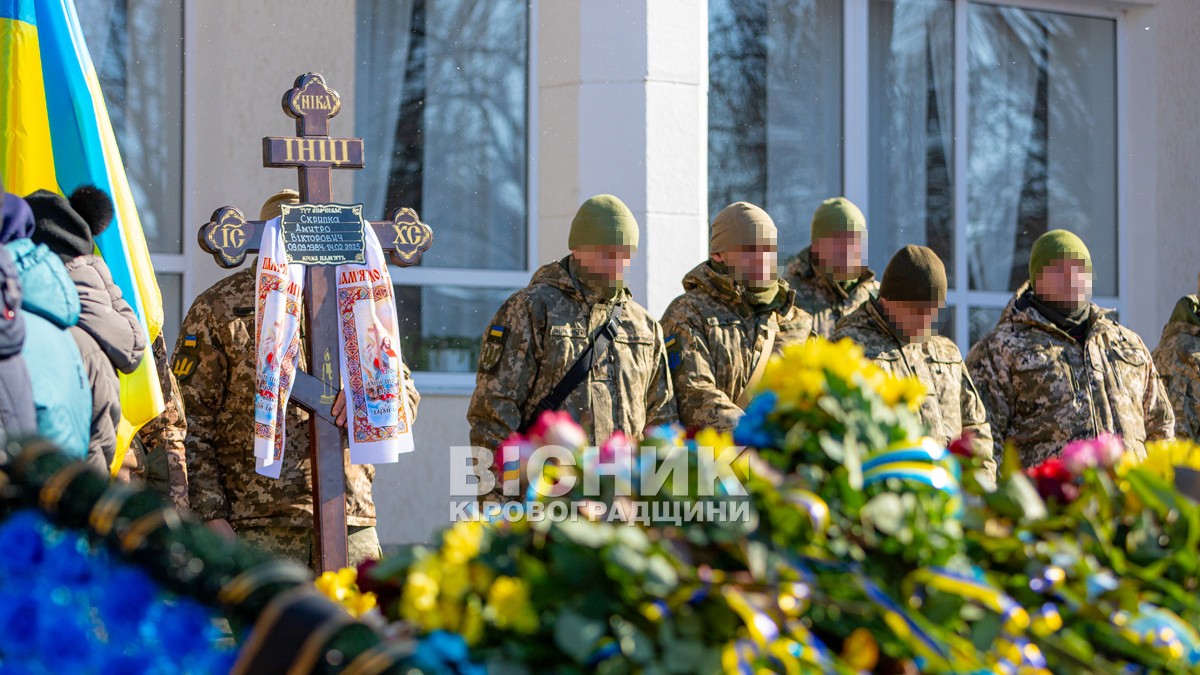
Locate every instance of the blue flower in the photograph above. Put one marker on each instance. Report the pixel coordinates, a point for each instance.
(183, 627)
(751, 430)
(124, 601)
(22, 539)
(16, 668)
(68, 562)
(18, 623)
(65, 644)
(441, 651)
(128, 664)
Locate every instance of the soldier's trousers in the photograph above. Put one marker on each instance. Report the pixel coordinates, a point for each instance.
(298, 543)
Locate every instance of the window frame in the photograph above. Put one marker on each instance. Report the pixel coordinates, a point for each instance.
(856, 160)
(856, 140)
(441, 383)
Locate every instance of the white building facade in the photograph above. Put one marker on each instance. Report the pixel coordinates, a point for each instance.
(970, 127)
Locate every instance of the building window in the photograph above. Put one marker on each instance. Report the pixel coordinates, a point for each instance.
(1043, 152)
(981, 127)
(442, 104)
(911, 116)
(775, 108)
(137, 49)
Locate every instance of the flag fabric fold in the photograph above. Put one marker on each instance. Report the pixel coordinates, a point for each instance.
(55, 134)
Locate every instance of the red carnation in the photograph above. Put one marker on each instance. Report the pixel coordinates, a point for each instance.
(961, 446)
(1053, 480)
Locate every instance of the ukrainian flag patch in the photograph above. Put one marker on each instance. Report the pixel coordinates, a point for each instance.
(674, 351)
(512, 469)
(493, 348)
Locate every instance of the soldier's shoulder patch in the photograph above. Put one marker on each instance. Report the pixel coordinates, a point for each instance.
(493, 348)
(674, 351)
(185, 359)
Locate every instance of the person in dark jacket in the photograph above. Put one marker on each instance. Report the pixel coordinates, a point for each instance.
(62, 398)
(17, 416)
(108, 334)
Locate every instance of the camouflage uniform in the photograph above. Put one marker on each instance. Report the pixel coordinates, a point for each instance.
(825, 300)
(1177, 357)
(298, 544)
(214, 363)
(713, 336)
(158, 454)
(1042, 389)
(534, 339)
(952, 404)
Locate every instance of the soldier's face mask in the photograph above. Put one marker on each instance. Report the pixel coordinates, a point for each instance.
(1065, 283)
(604, 263)
(840, 255)
(752, 266)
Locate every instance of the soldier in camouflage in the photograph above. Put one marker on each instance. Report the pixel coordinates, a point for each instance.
(214, 364)
(1057, 368)
(829, 277)
(895, 331)
(733, 305)
(157, 454)
(1177, 357)
(540, 331)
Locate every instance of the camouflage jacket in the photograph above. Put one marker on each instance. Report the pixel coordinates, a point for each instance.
(214, 364)
(827, 302)
(167, 432)
(1177, 357)
(952, 404)
(533, 340)
(1042, 389)
(714, 337)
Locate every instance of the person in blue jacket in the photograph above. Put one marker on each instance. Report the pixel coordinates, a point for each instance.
(17, 418)
(62, 396)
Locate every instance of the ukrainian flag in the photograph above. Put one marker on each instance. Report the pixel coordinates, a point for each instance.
(55, 135)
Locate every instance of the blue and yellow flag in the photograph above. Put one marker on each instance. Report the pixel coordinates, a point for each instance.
(55, 135)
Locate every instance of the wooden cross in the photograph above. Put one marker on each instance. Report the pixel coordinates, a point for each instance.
(229, 237)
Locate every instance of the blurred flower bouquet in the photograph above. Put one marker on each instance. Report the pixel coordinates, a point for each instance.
(1102, 551)
(843, 541)
(642, 580)
(67, 606)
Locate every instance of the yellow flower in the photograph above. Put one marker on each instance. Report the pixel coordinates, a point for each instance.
(717, 440)
(1162, 457)
(361, 603)
(451, 614)
(342, 588)
(508, 606)
(337, 585)
(456, 580)
(419, 597)
(481, 578)
(860, 650)
(895, 390)
(461, 542)
(844, 359)
(800, 375)
(472, 622)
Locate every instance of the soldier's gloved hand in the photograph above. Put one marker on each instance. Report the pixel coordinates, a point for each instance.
(339, 409)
